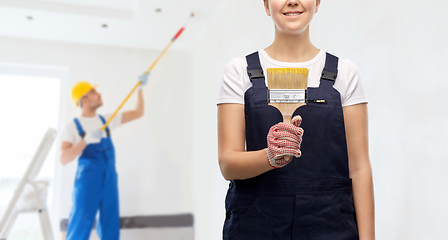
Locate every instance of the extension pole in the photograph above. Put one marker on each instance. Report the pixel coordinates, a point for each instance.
(147, 72)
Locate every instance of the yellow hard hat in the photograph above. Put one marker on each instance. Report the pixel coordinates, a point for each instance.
(79, 90)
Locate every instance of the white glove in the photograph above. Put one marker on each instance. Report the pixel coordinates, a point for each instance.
(93, 137)
(143, 78)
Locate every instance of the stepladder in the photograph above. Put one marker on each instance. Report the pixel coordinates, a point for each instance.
(31, 195)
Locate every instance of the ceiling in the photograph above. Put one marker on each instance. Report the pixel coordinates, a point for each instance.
(130, 23)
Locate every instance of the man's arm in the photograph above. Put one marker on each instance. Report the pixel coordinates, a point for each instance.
(70, 152)
(137, 113)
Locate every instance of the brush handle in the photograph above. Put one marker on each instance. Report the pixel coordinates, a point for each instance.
(287, 109)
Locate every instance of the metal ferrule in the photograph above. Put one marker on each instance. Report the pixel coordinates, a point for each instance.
(287, 95)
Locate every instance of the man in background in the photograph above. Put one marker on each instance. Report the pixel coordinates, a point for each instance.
(96, 185)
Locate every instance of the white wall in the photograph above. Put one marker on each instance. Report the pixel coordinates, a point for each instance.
(400, 48)
(153, 153)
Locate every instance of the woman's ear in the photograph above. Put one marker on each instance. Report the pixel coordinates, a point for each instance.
(317, 6)
(266, 7)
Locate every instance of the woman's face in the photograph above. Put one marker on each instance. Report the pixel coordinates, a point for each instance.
(292, 16)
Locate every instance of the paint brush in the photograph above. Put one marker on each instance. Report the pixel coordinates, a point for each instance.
(287, 89)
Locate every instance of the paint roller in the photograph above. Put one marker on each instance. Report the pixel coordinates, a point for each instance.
(148, 71)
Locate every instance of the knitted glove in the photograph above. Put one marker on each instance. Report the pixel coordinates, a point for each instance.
(284, 141)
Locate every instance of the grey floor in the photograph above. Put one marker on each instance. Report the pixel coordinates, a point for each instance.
(185, 233)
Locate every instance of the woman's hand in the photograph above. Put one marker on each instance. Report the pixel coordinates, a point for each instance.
(284, 141)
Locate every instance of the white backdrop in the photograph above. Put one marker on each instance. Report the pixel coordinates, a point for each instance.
(401, 49)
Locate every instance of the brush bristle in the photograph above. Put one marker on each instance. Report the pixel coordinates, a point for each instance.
(287, 78)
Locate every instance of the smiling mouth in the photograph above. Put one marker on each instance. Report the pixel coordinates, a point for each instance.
(292, 14)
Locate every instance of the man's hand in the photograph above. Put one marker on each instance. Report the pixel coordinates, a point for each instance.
(93, 137)
(143, 78)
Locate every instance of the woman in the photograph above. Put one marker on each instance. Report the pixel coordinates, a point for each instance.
(325, 191)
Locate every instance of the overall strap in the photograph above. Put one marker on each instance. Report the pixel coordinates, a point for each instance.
(104, 122)
(254, 70)
(79, 127)
(330, 71)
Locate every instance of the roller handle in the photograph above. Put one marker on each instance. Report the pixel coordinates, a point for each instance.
(121, 105)
(178, 34)
(147, 72)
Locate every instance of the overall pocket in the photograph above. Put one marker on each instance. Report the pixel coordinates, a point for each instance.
(248, 221)
(335, 218)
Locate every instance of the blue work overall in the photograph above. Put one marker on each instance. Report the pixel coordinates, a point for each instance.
(311, 197)
(96, 189)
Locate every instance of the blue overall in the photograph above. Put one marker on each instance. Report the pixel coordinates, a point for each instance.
(311, 197)
(96, 189)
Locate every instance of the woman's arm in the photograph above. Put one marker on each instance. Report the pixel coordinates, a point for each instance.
(234, 161)
(356, 127)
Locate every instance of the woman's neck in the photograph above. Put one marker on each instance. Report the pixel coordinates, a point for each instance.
(292, 48)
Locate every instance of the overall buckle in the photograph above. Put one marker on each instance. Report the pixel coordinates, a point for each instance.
(255, 73)
(329, 75)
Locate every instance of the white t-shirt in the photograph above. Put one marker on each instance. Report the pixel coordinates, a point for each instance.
(89, 124)
(235, 81)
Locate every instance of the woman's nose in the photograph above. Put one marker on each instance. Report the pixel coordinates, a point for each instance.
(293, 2)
